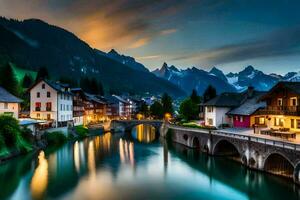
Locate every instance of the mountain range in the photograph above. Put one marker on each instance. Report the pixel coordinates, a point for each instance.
(194, 78)
(33, 43)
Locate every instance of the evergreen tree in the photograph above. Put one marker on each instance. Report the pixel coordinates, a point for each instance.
(189, 109)
(8, 79)
(42, 73)
(27, 81)
(166, 101)
(156, 110)
(144, 109)
(194, 97)
(209, 93)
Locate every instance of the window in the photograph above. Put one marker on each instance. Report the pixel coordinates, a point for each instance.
(38, 106)
(210, 121)
(278, 122)
(241, 118)
(38, 115)
(292, 123)
(48, 116)
(38, 95)
(48, 94)
(259, 120)
(298, 123)
(293, 101)
(48, 106)
(67, 107)
(279, 101)
(5, 105)
(210, 109)
(43, 86)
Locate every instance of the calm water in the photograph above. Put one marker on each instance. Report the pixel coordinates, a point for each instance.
(134, 166)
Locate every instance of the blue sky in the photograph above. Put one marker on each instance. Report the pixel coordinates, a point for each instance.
(229, 34)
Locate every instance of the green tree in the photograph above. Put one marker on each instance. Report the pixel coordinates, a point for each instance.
(42, 73)
(8, 79)
(209, 93)
(144, 109)
(188, 109)
(27, 81)
(167, 105)
(194, 97)
(156, 110)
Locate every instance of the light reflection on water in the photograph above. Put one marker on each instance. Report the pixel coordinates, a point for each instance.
(115, 166)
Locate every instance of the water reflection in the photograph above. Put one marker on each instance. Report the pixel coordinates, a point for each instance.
(144, 133)
(112, 166)
(39, 179)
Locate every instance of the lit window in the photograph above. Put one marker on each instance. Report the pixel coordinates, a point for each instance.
(292, 123)
(210, 109)
(293, 101)
(210, 121)
(279, 101)
(241, 118)
(298, 123)
(278, 122)
(260, 120)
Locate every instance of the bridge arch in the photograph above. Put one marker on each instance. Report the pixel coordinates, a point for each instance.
(277, 163)
(225, 148)
(195, 142)
(297, 173)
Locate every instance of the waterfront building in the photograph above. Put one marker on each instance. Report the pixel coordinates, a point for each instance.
(9, 104)
(281, 116)
(241, 115)
(51, 101)
(117, 107)
(78, 106)
(94, 109)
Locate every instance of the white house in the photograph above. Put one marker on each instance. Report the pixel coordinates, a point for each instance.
(51, 101)
(215, 110)
(9, 104)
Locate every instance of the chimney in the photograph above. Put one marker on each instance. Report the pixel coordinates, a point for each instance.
(250, 91)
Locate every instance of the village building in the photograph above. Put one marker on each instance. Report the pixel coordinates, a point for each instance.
(281, 116)
(78, 106)
(241, 115)
(9, 104)
(94, 109)
(117, 107)
(51, 101)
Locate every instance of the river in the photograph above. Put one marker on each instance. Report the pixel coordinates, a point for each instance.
(135, 165)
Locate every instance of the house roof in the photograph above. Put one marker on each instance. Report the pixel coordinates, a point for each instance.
(5, 96)
(227, 99)
(59, 87)
(249, 106)
(114, 99)
(95, 98)
(292, 86)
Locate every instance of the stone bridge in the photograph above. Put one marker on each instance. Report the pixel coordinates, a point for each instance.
(128, 125)
(254, 151)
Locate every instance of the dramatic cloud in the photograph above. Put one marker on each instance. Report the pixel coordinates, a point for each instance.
(279, 43)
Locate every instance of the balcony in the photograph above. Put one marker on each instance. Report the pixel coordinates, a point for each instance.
(280, 110)
(48, 108)
(37, 108)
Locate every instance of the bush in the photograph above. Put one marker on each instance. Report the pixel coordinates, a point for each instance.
(9, 130)
(26, 134)
(81, 131)
(56, 138)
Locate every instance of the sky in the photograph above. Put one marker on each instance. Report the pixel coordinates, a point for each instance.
(228, 34)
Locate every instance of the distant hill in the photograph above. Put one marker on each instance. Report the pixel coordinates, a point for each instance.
(33, 43)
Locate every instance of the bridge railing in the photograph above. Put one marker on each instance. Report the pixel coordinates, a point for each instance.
(258, 139)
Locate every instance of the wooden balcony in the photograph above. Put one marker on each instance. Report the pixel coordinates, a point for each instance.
(280, 110)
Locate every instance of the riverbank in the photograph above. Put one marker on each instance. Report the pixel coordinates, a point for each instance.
(270, 155)
(47, 140)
